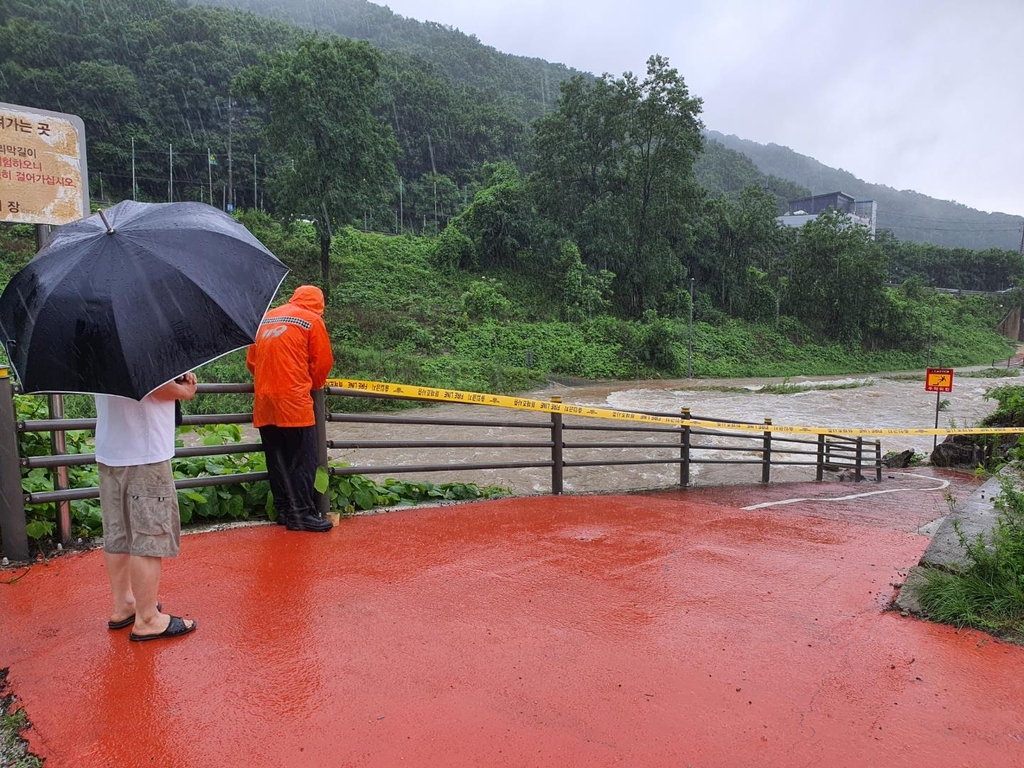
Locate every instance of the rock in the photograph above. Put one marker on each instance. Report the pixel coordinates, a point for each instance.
(899, 460)
(953, 453)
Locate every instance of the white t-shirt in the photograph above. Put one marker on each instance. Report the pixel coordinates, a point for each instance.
(131, 432)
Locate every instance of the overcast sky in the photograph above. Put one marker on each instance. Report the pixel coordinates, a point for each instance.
(916, 94)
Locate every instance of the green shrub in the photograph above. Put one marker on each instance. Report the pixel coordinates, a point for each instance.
(989, 593)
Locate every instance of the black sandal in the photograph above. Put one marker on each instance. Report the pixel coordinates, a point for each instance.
(176, 628)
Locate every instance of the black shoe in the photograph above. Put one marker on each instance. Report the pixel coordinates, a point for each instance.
(308, 522)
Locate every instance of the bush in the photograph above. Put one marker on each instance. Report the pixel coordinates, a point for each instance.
(453, 251)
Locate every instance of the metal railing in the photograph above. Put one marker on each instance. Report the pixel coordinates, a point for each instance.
(650, 445)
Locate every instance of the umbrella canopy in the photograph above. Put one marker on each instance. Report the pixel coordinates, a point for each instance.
(124, 301)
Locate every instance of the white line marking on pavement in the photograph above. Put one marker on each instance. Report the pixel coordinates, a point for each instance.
(944, 484)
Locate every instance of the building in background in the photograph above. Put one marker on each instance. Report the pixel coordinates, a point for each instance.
(863, 212)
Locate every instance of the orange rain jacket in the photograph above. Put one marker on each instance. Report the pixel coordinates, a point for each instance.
(292, 355)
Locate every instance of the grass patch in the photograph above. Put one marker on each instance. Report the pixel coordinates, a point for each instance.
(785, 388)
(13, 748)
(991, 373)
(988, 594)
(905, 377)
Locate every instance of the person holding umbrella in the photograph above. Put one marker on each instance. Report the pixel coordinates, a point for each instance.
(123, 305)
(141, 524)
(291, 357)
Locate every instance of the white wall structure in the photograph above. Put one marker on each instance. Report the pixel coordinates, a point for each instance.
(862, 212)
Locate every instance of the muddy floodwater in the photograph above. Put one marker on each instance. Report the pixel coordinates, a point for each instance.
(877, 401)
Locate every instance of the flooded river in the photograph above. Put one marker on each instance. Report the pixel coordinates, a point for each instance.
(876, 401)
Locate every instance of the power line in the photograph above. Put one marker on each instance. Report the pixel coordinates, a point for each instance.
(984, 231)
(975, 220)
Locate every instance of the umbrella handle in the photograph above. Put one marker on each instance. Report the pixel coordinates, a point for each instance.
(110, 229)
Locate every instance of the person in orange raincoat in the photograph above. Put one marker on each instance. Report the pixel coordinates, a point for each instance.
(291, 357)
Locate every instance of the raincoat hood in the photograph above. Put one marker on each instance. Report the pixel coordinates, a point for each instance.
(308, 297)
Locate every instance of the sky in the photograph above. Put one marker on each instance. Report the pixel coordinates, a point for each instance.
(915, 94)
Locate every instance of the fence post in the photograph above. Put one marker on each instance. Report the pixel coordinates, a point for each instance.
(323, 500)
(684, 467)
(58, 444)
(766, 454)
(12, 503)
(860, 458)
(556, 450)
(878, 461)
(819, 471)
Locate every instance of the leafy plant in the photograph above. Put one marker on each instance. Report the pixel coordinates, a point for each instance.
(41, 519)
(233, 501)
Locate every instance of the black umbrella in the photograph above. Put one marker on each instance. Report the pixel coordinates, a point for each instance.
(126, 300)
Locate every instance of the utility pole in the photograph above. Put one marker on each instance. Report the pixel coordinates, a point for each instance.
(689, 358)
(209, 173)
(254, 205)
(433, 172)
(170, 173)
(135, 188)
(231, 188)
(1022, 238)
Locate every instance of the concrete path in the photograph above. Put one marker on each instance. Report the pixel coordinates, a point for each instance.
(673, 629)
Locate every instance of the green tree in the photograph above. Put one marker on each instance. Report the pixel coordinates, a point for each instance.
(585, 292)
(334, 156)
(500, 219)
(836, 274)
(614, 165)
(740, 246)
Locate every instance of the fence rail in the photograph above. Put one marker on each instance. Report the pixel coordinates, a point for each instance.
(688, 447)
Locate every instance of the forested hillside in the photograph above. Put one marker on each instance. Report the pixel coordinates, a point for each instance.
(909, 215)
(529, 88)
(152, 80)
(609, 213)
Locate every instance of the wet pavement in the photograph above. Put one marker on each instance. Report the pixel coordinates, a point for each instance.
(658, 629)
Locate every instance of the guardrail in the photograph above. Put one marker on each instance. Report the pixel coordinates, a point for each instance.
(688, 446)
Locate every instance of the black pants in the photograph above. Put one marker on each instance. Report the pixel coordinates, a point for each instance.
(291, 464)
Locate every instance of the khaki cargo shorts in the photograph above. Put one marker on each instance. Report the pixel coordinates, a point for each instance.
(140, 510)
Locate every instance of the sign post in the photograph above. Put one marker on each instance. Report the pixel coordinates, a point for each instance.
(938, 380)
(44, 180)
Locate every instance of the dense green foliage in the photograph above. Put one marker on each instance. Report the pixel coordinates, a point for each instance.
(722, 172)
(615, 173)
(319, 99)
(152, 80)
(960, 268)
(526, 86)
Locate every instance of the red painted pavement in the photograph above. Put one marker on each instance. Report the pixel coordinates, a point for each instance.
(646, 630)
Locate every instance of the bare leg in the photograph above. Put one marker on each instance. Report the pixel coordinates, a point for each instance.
(120, 585)
(145, 575)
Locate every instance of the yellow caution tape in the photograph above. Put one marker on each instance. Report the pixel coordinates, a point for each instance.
(546, 406)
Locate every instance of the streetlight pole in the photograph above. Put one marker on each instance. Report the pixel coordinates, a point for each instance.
(689, 357)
